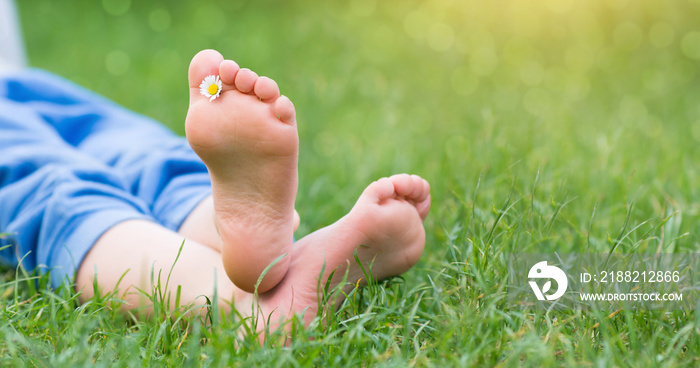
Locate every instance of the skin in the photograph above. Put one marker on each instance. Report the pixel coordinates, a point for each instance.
(248, 140)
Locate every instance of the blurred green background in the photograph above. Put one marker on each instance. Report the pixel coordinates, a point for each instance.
(595, 101)
(542, 125)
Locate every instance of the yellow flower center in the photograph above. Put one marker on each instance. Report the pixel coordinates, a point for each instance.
(213, 88)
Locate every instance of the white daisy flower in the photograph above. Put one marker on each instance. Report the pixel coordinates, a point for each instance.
(210, 87)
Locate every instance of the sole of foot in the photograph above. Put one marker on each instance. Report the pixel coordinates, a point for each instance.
(247, 138)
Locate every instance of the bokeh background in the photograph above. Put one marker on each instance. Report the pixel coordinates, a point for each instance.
(589, 103)
(542, 125)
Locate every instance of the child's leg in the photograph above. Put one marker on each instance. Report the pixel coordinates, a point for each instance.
(156, 165)
(142, 255)
(67, 212)
(162, 170)
(384, 228)
(386, 220)
(55, 202)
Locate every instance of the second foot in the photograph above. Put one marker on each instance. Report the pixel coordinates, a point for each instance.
(385, 227)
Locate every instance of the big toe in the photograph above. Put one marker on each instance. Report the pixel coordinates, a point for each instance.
(415, 189)
(205, 63)
(379, 190)
(412, 188)
(418, 192)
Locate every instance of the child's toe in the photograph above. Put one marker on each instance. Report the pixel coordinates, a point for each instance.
(266, 89)
(205, 63)
(379, 190)
(227, 71)
(284, 109)
(245, 80)
(425, 190)
(403, 184)
(423, 207)
(418, 188)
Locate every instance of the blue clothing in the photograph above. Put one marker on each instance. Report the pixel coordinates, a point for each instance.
(73, 164)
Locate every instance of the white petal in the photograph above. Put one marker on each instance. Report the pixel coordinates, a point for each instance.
(206, 83)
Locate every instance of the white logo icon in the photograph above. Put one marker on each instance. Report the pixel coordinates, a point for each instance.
(542, 271)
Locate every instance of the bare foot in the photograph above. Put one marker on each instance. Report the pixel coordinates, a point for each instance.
(385, 227)
(247, 138)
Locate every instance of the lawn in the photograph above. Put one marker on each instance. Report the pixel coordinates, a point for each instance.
(542, 126)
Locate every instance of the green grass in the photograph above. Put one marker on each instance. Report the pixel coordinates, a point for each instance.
(541, 125)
